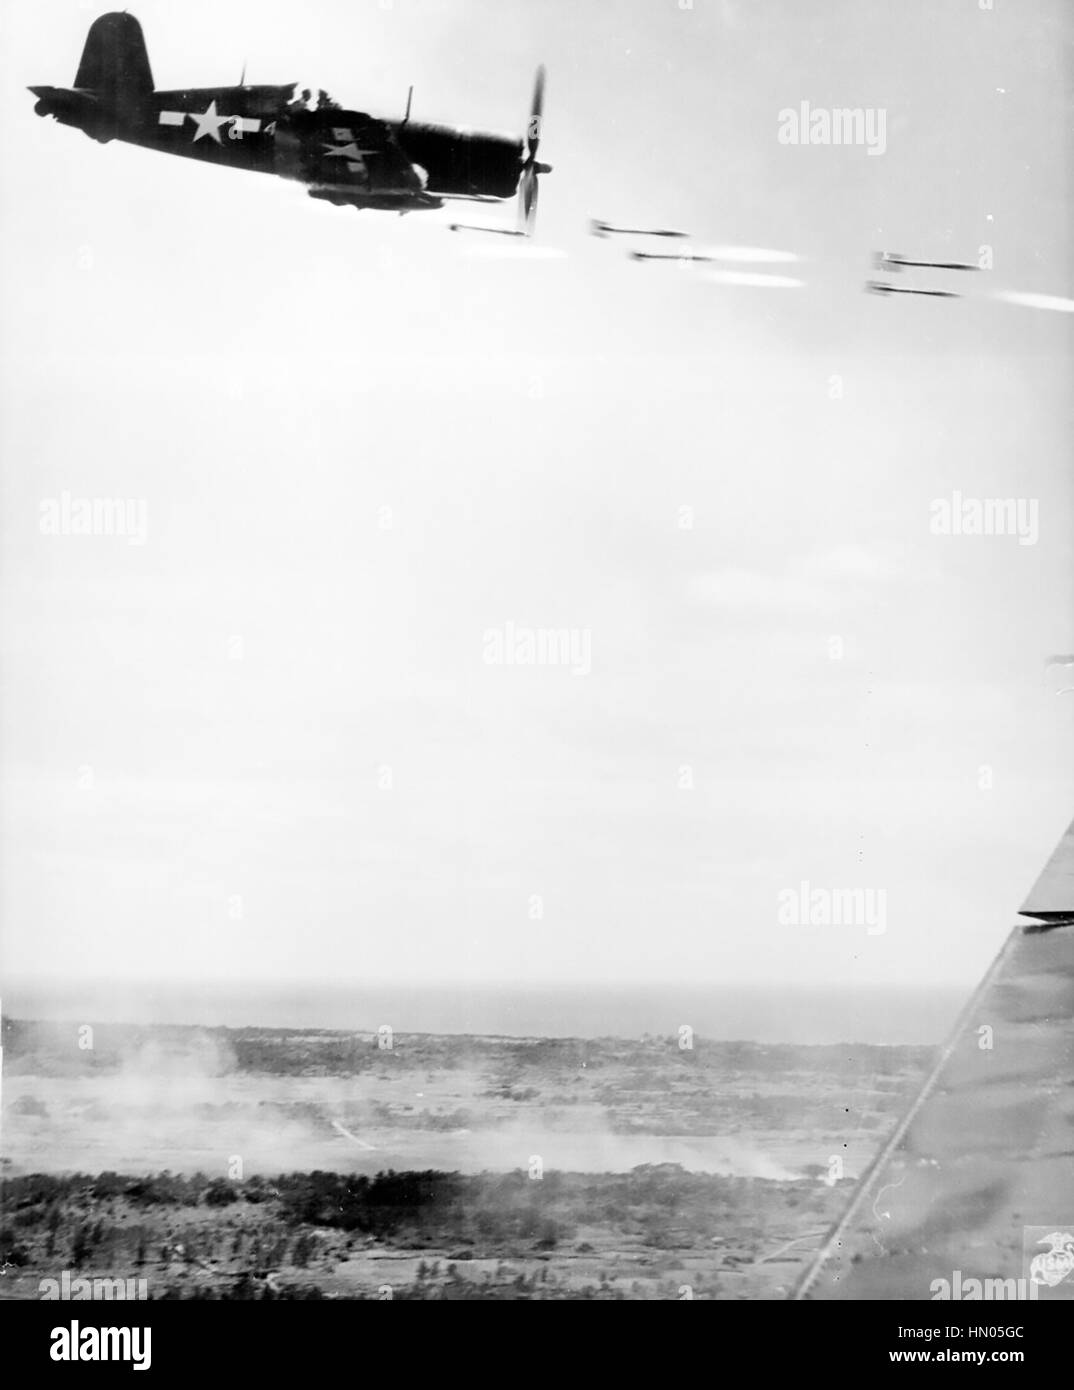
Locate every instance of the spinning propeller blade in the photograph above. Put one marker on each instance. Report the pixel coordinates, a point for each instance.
(529, 184)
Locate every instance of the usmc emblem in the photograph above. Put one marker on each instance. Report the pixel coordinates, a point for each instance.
(1054, 1265)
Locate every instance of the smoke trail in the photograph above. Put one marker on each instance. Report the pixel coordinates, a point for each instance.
(352, 1137)
(763, 282)
(1055, 302)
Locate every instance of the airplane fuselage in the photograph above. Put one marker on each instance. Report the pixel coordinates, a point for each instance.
(344, 156)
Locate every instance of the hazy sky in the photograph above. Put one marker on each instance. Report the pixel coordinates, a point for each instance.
(362, 443)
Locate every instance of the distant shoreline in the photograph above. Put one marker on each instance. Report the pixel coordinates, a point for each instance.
(748, 1013)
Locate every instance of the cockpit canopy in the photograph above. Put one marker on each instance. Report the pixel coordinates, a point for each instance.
(311, 98)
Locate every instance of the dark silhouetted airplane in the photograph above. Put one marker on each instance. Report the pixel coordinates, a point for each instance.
(346, 157)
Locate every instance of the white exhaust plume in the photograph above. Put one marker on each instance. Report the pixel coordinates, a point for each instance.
(755, 281)
(1055, 302)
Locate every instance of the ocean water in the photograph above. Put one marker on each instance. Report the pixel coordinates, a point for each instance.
(749, 1012)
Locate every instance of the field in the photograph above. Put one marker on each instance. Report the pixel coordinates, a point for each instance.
(270, 1163)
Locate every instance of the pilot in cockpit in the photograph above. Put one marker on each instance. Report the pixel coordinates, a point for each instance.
(312, 100)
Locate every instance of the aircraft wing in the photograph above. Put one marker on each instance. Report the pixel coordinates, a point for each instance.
(357, 158)
(977, 1182)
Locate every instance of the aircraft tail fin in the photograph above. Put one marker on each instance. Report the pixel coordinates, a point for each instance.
(115, 62)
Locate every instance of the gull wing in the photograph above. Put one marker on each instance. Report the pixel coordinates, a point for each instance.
(353, 157)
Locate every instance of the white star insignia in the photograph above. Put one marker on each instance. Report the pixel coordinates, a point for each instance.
(210, 123)
(349, 152)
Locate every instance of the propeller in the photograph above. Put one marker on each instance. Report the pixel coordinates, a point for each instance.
(529, 184)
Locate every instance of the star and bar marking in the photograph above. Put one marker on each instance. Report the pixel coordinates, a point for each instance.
(210, 122)
(347, 148)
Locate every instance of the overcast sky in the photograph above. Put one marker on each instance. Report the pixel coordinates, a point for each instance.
(197, 732)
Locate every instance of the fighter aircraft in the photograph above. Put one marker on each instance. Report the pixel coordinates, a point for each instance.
(343, 156)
